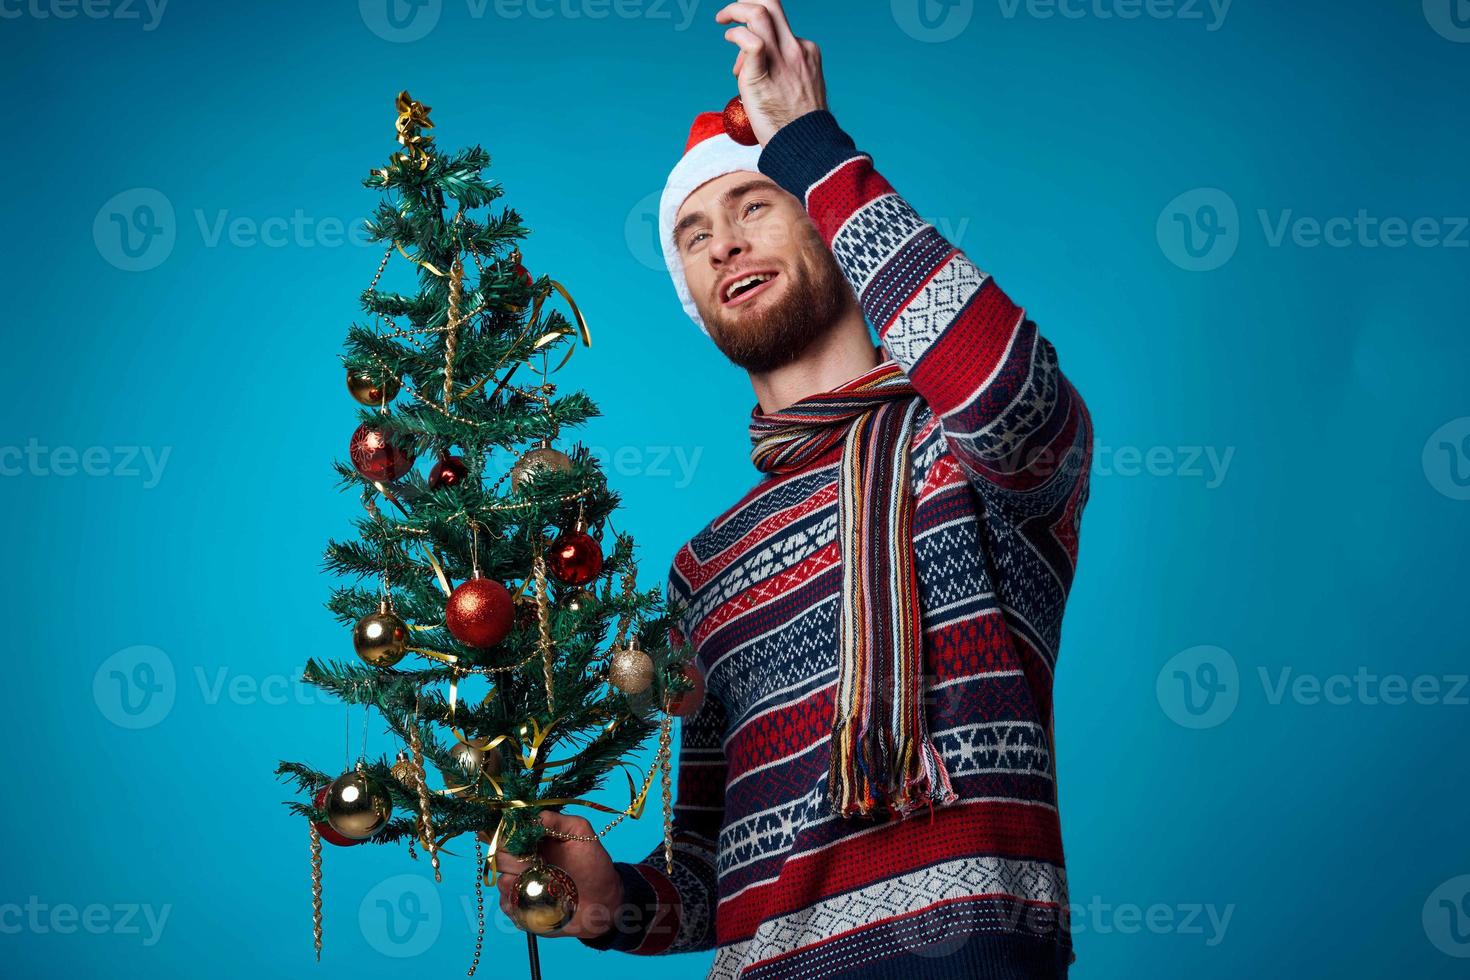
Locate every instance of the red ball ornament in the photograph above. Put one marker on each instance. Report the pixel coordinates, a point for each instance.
(686, 703)
(524, 275)
(480, 613)
(448, 471)
(376, 456)
(325, 829)
(575, 557)
(737, 123)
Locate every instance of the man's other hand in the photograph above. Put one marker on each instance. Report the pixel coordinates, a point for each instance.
(599, 890)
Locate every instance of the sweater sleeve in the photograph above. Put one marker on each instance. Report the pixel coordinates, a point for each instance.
(1018, 429)
(675, 913)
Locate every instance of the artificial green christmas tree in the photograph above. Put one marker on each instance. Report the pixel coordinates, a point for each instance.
(465, 572)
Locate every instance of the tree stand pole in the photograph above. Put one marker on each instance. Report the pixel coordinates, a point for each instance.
(535, 956)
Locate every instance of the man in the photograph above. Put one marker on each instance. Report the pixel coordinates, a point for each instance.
(868, 788)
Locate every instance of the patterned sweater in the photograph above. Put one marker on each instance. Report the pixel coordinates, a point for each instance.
(1000, 460)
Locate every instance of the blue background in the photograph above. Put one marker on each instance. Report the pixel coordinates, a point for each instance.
(1052, 149)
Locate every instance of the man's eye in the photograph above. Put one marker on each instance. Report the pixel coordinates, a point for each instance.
(694, 239)
(753, 204)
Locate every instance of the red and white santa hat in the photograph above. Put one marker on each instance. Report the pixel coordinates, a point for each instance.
(710, 153)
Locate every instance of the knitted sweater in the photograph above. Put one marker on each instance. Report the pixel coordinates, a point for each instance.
(999, 464)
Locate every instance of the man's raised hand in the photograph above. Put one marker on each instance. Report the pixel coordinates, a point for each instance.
(779, 74)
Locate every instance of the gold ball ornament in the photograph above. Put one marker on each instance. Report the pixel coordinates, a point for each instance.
(380, 638)
(469, 758)
(581, 600)
(630, 670)
(544, 899)
(535, 462)
(403, 770)
(357, 805)
(369, 390)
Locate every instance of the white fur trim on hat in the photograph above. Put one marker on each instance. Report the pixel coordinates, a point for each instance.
(711, 157)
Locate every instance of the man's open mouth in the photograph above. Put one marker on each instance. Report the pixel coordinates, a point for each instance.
(741, 289)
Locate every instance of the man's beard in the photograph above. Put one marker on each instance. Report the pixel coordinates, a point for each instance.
(813, 299)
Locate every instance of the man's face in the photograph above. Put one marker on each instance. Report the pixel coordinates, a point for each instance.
(765, 283)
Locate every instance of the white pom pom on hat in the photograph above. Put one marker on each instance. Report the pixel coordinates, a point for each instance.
(709, 153)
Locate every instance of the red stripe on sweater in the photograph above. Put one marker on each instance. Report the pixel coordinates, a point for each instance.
(697, 572)
(960, 830)
(783, 731)
(960, 361)
(769, 590)
(664, 928)
(836, 197)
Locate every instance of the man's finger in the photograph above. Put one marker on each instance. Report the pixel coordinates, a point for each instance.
(781, 27)
(756, 18)
(508, 863)
(566, 822)
(752, 47)
(506, 887)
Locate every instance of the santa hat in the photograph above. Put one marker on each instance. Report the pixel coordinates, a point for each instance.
(710, 153)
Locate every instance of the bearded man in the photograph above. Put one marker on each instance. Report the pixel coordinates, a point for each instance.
(868, 789)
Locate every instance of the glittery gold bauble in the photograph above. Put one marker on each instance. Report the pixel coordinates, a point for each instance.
(544, 899)
(358, 806)
(380, 638)
(369, 391)
(535, 462)
(403, 770)
(630, 670)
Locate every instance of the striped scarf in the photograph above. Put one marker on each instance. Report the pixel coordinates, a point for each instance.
(881, 750)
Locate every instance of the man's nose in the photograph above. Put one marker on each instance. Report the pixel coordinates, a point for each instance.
(729, 242)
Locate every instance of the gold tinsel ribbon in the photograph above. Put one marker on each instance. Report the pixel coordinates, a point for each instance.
(413, 118)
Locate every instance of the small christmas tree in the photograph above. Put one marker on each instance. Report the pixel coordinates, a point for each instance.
(464, 570)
